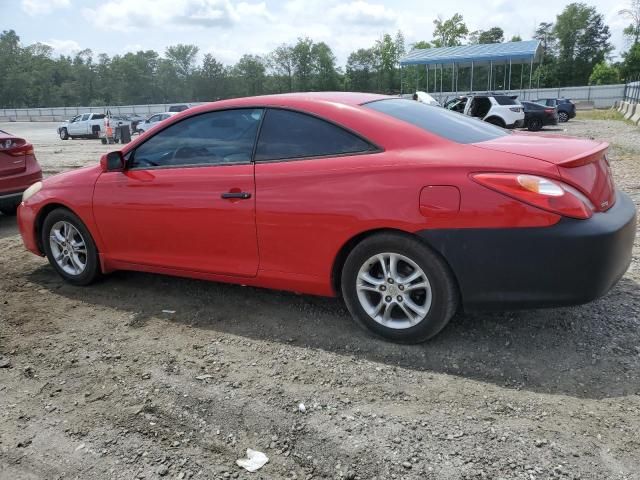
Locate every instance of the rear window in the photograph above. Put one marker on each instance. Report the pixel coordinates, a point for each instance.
(505, 100)
(99, 116)
(532, 106)
(453, 126)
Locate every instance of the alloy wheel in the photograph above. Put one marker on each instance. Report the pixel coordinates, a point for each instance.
(393, 290)
(68, 247)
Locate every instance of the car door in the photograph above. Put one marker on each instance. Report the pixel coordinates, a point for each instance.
(151, 122)
(302, 164)
(73, 127)
(186, 200)
(82, 126)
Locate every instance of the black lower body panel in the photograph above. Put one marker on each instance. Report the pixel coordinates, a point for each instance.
(569, 263)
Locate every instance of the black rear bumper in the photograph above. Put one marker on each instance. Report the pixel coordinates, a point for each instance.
(569, 263)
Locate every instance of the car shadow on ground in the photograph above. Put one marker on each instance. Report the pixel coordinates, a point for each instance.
(589, 351)
(8, 226)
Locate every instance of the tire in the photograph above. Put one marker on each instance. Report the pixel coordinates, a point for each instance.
(439, 300)
(56, 221)
(498, 122)
(563, 117)
(9, 210)
(64, 135)
(534, 124)
(95, 133)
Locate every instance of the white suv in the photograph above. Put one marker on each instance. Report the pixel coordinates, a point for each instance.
(502, 110)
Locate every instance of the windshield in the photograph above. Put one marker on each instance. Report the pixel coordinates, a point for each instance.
(439, 121)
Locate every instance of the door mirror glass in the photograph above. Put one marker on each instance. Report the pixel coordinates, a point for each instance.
(112, 162)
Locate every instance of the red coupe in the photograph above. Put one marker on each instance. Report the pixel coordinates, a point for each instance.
(18, 170)
(406, 210)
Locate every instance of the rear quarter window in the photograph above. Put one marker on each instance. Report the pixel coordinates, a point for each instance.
(286, 134)
(505, 100)
(453, 126)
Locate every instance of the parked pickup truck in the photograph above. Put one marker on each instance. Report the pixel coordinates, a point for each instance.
(87, 125)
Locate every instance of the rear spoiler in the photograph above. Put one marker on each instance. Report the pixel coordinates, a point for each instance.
(590, 156)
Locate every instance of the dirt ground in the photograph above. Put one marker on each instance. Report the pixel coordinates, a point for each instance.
(145, 376)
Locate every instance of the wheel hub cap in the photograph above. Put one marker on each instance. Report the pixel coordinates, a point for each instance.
(68, 248)
(394, 290)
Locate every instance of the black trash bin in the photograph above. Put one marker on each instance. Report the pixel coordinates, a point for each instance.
(123, 133)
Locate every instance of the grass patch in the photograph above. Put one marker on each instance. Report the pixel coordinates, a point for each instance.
(607, 114)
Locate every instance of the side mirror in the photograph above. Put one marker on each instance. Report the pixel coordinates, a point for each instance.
(112, 162)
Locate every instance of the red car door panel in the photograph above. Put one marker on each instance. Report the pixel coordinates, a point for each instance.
(186, 199)
(177, 218)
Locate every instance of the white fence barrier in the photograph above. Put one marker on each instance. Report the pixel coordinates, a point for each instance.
(55, 114)
(597, 96)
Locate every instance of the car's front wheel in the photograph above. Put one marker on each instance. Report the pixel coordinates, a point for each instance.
(563, 117)
(70, 247)
(64, 135)
(396, 287)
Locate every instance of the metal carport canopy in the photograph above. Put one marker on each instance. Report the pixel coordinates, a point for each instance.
(516, 52)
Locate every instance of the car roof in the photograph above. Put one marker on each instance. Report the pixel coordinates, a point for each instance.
(296, 99)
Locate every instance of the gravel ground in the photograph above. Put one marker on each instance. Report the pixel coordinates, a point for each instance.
(100, 383)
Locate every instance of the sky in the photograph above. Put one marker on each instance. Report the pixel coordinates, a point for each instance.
(229, 28)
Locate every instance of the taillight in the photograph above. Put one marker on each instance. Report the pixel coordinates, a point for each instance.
(549, 111)
(15, 147)
(550, 195)
(515, 109)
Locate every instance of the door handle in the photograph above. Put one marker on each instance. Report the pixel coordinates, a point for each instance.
(238, 195)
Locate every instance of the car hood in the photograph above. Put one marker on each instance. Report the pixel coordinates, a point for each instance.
(87, 174)
(555, 149)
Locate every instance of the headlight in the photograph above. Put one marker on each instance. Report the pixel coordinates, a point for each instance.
(31, 191)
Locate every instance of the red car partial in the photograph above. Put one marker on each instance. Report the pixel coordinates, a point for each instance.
(406, 210)
(19, 170)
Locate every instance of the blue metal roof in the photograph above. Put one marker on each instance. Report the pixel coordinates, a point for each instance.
(518, 52)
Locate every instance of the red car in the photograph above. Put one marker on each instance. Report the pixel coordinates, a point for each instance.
(18, 170)
(406, 210)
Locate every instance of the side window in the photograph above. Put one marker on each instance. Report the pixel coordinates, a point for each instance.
(224, 137)
(86, 116)
(155, 118)
(287, 134)
(551, 103)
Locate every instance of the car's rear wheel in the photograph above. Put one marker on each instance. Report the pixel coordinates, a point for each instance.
(563, 117)
(534, 124)
(70, 247)
(64, 135)
(396, 287)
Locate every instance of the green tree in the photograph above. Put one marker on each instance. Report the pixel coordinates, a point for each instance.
(631, 65)
(211, 79)
(282, 64)
(183, 58)
(583, 42)
(361, 70)
(516, 38)
(251, 70)
(632, 13)
(324, 66)
(303, 64)
(604, 74)
(493, 35)
(450, 32)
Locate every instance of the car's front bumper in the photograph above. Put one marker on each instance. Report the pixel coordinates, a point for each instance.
(571, 262)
